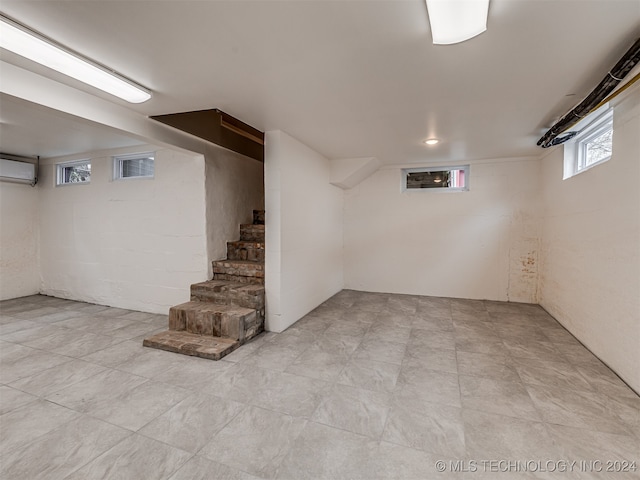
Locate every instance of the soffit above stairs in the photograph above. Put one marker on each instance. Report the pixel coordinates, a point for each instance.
(218, 127)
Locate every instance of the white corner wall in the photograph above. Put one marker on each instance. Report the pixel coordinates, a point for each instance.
(19, 274)
(135, 243)
(234, 188)
(482, 243)
(590, 273)
(304, 260)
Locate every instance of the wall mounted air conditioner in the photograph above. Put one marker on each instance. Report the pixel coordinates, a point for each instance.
(14, 170)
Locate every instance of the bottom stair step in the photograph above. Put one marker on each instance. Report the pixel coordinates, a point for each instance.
(204, 346)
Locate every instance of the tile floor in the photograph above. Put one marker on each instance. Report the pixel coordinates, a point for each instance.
(367, 386)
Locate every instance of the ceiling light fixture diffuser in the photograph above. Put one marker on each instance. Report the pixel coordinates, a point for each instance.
(431, 141)
(29, 44)
(454, 21)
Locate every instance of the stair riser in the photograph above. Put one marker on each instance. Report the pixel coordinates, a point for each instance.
(228, 297)
(241, 269)
(252, 233)
(212, 323)
(238, 279)
(251, 253)
(258, 217)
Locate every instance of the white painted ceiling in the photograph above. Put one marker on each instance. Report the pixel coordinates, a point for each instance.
(349, 78)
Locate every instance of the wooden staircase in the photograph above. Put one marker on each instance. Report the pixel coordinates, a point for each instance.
(224, 312)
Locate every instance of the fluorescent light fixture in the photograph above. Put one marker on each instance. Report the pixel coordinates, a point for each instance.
(454, 21)
(26, 43)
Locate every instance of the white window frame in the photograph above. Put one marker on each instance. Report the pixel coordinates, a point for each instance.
(60, 168)
(119, 159)
(407, 171)
(575, 150)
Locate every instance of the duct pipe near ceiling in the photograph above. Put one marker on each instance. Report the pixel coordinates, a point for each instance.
(594, 99)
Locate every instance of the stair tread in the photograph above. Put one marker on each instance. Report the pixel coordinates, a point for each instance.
(252, 243)
(239, 262)
(211, 284)
(213, 307)
(205, 346)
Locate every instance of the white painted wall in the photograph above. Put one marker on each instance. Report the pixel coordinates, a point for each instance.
(234, 188)
(19, 274)
(134, 244)
(482, 243)
(304, 259)
(590, 270)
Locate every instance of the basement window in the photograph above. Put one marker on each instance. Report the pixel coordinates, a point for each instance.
(71, 173)
(592, 146)
(138, 165)
(442, 178)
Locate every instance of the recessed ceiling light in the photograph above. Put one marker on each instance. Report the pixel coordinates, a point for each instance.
(29, 44)
(431, 141)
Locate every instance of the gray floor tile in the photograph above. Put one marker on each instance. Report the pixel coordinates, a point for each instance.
(497, 396)
(588, 445)
(499, 367)
(120, 353)
(10, 399)
(388, 333)
(370, 375)
(24, 424)
(60, 452)
(439, 340)
(134, 458)
(430, 385)
(576, 408)
(380, 351)
(57, 378)
(291, 394)
(437, 429)
(199, 468)
(24, 361)
(275, 356)
(261, 440)
(95, 392)
(359, 411)
(323, 452)
(318, 363)
(190, 424)
(431, 358)
(194, 375)
(135, 407)
(248, 414)
(239, 382)
(490, 436)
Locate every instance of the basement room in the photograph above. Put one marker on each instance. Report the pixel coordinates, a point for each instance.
(323, 239)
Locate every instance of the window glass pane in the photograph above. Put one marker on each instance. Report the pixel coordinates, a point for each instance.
(436, 179)
(137, 167)
(599, 148)
(77, 173)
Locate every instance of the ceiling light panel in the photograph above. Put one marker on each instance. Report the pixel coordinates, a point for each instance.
(454, 21)
(26, 43)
